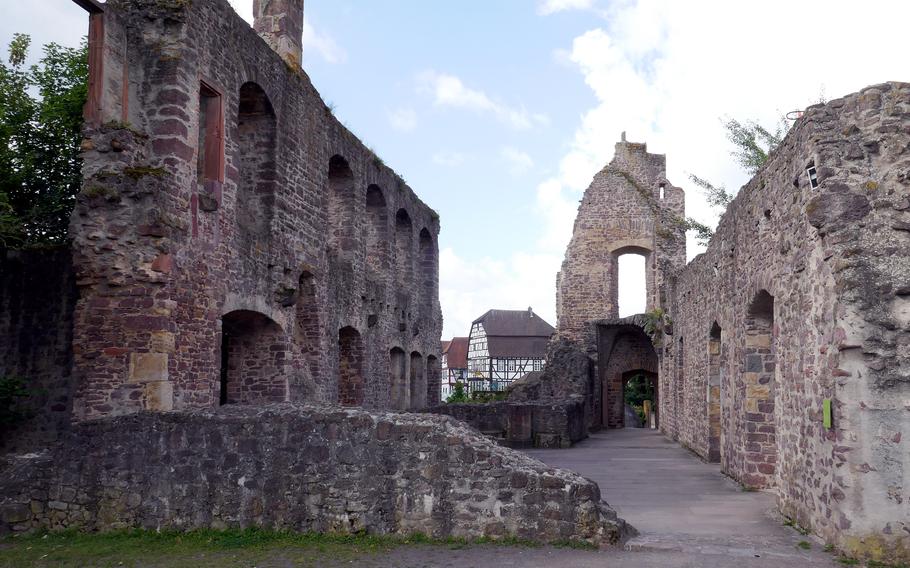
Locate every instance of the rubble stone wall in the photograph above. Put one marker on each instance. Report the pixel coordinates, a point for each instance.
(630, 207)
(809, 289)
(37, 298)
(286, 467)
(556, 424)
(220, 189)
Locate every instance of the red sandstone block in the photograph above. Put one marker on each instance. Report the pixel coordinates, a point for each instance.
(164, 263)
(115, 351)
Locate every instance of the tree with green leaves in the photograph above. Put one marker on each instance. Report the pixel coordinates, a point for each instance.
(40, 135)
(753, 144)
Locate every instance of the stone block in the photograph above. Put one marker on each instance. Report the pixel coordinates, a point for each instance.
(159, 396)
(758, 392)
(145, 367)
(162, 342)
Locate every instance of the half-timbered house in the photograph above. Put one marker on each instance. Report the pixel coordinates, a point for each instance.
(505, 345)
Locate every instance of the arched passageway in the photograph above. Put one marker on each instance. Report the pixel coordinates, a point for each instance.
(254, 353)
(624, 351)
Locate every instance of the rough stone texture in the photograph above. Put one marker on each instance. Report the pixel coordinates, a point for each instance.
(830, 266)
(556, 424)
(225, 206)
(37, 297)
(624, 210)
(800, 297)
(299, 468)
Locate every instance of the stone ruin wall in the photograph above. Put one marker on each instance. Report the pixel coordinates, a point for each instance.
(218, 183)
(835, 261)
(37, 298)
(622, 211)
(284, 467)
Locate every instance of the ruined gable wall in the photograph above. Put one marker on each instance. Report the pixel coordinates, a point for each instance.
(621, 211)
(835, 259)
(161, 258)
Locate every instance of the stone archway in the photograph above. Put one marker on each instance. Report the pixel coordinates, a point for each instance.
(623, 349)
(254, 355)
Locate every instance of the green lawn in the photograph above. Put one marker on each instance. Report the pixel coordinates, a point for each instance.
(204, 549)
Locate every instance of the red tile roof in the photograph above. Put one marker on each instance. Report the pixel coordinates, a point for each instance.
(457, 353)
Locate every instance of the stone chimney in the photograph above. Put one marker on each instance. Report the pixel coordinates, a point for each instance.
(280, 24)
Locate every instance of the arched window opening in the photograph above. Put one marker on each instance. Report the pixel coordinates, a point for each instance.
(256, 135)
(679, 400)
(350, 367)
(398, 379)
(434, 381)
(418, 382)
(254, 353)
(403, 237)
(307, 312)
(712, 396)
(377, 231)
(632, 280)
(342, 208)
(427, 264)
(758, 378)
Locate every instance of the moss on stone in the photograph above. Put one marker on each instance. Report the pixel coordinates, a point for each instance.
(139, 172)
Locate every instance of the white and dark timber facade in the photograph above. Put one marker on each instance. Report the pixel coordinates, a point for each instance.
(505, 345)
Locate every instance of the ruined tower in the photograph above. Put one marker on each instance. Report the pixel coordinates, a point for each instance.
(629, 208)
(280, 24)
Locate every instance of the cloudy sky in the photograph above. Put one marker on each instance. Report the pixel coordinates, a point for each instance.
(499, 112)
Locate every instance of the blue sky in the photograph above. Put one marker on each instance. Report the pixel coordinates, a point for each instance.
(499, 112)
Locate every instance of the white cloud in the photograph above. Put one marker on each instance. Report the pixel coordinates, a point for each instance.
(468, 288)
(666, 72)
(323, 44)
(449, 90)
(448, 159)
(546, 7)
(403, 119)
(518, 162)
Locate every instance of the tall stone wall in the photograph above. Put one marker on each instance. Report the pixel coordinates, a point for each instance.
(806, 291)
(630, 207)
(285, 467)
(37, 297)
(225, 207)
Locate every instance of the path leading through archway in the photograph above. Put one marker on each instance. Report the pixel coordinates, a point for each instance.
(677, 501)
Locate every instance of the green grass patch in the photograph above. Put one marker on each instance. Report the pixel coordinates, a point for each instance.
(804, 544)
(211, 548)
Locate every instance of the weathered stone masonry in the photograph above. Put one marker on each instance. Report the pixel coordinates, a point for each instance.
(800, 301)
(285, 467)
(802, 297)
(234, 247)
(233, 241)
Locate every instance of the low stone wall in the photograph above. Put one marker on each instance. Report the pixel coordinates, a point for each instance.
(557, 424)
(289, 467)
